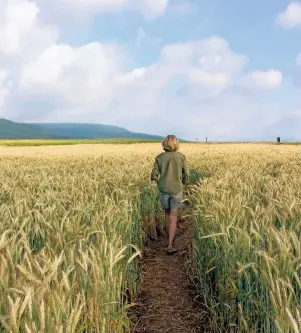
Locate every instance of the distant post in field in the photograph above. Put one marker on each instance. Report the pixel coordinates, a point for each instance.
(206, 140)
(278, 139)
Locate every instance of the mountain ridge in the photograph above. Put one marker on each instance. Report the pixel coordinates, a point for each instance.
(17, 130)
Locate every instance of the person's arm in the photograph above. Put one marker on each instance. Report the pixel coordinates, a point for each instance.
(155, 171)
(185, 172)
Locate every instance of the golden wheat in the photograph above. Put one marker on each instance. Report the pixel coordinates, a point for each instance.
(250, 274)
(73, 221)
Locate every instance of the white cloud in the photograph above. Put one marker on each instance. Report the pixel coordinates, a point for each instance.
(150, 9)
(91, 83)
(4, 87)
(194, 88)
(66, 70)
(297, 114)
(291, 17)
(21, 29)
(271, 79)
(211, 54)
(209, 79)
(94, 72)
(299, 60)
(83, 76)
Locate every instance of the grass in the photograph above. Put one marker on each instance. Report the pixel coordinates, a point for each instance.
(74, 219)
(51, 142)
(247, 259)
(70, 232)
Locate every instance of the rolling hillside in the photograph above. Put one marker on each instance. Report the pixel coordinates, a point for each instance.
(14, 130)
(92, 131)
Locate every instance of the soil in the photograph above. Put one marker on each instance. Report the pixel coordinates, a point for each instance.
(167, 303)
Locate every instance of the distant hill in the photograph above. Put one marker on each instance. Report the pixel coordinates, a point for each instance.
(92, 131)
(14, 130)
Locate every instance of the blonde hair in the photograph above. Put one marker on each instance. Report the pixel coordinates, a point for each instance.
(170, 143)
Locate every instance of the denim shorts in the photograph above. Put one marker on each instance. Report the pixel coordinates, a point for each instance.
(171, 201)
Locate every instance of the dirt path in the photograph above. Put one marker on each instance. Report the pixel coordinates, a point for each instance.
(166, 303)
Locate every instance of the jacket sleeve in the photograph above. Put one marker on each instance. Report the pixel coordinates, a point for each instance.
(155, 171)
(185, 171)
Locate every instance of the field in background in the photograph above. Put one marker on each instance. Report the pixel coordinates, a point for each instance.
(49, 142)
(73, 219)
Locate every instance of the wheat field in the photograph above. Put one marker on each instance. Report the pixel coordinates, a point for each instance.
(74, 219)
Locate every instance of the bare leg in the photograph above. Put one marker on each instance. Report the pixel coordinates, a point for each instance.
(167, 220)
(172, 227)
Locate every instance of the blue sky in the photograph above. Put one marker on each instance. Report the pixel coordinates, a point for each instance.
(248, 30)
(228, 70)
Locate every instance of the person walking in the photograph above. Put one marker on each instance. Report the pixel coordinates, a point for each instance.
(170, 172)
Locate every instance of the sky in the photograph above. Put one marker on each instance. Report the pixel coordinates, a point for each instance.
(225, 70)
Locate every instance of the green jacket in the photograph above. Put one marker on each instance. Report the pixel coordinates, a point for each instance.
(170, 171)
